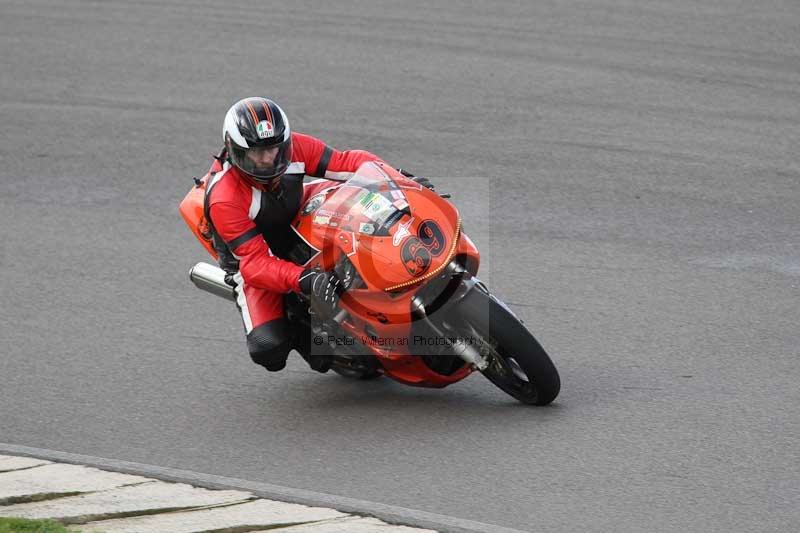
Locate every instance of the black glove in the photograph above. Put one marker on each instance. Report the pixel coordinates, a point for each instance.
(425, 182)
(322, 288)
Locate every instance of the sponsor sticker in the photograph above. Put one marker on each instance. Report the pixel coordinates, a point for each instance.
(402, 232)
(364, 227)
(313, 204)
(367, 199)
(321, 220)
(334, 214)
(376, 204)
(265, 130)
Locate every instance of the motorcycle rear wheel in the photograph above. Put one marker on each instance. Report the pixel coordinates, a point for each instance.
(518, 364)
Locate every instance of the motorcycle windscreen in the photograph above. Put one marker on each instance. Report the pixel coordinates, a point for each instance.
(370, 202)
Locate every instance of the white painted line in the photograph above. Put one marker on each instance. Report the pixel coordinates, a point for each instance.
(8, 463)
(257, 513)
(148, 496)
(61, 478)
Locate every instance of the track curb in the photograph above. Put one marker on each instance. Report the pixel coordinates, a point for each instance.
(389, 513)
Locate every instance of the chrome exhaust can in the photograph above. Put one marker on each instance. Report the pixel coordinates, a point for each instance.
(211, 279)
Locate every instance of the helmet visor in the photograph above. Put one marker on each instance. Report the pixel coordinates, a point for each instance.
(262, 163)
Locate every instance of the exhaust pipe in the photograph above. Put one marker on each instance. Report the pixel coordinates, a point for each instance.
(211, 279)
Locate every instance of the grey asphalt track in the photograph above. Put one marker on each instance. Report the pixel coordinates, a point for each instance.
(629, 170)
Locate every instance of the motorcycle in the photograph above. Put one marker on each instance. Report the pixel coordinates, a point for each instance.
(412, 306)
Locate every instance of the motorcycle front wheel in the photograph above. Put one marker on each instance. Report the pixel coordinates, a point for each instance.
(518, 364)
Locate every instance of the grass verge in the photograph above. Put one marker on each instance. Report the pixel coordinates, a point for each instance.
(23, 525)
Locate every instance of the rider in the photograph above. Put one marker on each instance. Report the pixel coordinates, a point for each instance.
(251, 199)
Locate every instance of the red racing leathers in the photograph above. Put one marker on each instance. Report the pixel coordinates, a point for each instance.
(251, 223)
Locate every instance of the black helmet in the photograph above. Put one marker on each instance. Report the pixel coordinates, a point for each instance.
(258, 138)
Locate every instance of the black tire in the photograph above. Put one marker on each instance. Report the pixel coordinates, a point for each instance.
(512, 350)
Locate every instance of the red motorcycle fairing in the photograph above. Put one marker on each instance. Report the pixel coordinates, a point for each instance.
(396, 235)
